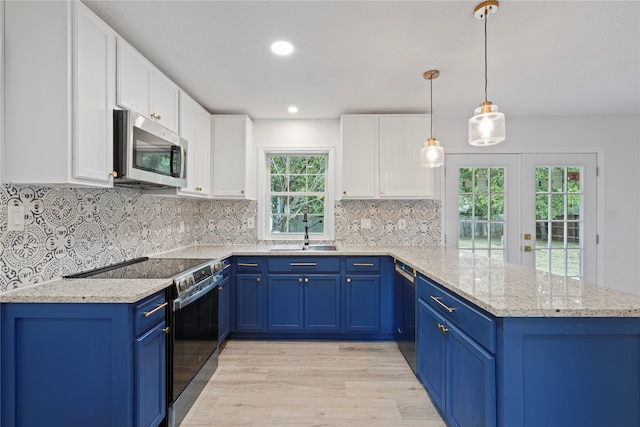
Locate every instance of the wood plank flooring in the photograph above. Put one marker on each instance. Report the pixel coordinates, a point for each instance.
(312, 384)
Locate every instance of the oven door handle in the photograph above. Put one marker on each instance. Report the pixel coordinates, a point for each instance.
(181, 303)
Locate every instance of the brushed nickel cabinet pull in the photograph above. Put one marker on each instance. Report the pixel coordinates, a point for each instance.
(166, 330)
(159, 307)
(243, 264)
(358, 264)
(437, 299)
(303, 264)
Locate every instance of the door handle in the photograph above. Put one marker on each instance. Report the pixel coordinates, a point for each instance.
(527, 248)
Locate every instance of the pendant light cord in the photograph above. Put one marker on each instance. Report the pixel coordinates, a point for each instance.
(486, 13)
(431, 91)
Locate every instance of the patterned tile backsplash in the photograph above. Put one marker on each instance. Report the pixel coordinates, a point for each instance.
(69, 229)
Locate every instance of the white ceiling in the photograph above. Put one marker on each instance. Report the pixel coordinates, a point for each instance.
(545, 57)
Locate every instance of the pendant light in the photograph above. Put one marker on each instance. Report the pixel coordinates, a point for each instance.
(432, 155)
(487, 126)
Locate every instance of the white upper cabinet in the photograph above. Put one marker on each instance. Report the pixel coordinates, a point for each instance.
(144, 89)
(359, 156)
(234, 157)
(59, 95)
(380, 157)
(195, 127)
(401, 138)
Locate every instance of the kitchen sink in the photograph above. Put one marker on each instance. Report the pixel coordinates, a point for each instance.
(294, 248)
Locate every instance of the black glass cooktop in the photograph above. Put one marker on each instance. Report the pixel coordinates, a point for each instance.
(142, 268)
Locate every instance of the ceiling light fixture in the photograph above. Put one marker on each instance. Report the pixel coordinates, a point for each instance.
(431, 155)
(487, 126)
(293, 109)
(282, 48)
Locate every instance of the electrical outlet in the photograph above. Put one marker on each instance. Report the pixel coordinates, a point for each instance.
(402, 224)
(15, 218)
(251, 223)
(365, 223)
(181, 228)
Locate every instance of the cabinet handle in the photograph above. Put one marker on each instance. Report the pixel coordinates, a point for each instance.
(243, 264)
(303, 264)
(306, 280)
(300, 279)
(381, 191)
(348, 279)
(198, 188)
(156, 116)
(241, 191)
(344, 192)
(220, 288)
(114, 174)
(159, 307)
(257, 279)
(357, 264)
(437, 299)
(442, 328)
(166, 330)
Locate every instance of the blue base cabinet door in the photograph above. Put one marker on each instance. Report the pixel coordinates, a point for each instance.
(471, 380)
(431, 353)
(150, 356)
(249, 302)
(363, 303)
(285, 302)
(224, 310)
(322, 302)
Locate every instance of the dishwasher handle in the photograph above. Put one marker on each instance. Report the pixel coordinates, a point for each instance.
(404, 274)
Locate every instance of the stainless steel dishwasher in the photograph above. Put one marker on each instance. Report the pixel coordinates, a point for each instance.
(405, 312)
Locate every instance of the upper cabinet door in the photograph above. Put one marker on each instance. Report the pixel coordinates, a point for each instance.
(401, 139)
(144, 89)
(94, 84)
(135, 78)
(234, 160)
(202, 163)
(165, 101)
(359, 148)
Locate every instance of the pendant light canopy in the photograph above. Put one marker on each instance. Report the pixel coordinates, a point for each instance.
(487, 126)
(432, 155)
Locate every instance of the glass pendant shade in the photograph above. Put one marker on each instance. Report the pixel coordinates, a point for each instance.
(487, 126)
(432, 155)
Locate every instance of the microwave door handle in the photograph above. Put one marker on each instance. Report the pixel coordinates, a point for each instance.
(175, 151)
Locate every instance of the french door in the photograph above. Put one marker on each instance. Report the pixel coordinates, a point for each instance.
(538, 210)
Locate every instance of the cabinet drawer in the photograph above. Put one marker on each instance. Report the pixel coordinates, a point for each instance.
(149, 312)
(362, 264)
(248, 265)
(478, 325)
(304, 264)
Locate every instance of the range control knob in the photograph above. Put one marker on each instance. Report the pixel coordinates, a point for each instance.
(182, 285)
(190, 282)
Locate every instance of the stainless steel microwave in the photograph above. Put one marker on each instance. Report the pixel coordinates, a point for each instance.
(145, 154)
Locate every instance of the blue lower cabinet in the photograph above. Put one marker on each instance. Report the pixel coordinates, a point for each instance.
(82, 364)
(150, 372)
(249, 302)
(303, 302)
(362, 303)
(431, 349)
(285, 302)
(322, 302)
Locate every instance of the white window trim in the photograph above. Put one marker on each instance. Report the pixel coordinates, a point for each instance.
(263, 190)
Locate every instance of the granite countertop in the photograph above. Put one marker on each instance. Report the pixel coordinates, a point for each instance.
(502, 289)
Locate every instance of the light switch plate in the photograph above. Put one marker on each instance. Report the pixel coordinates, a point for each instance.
(15, 218)
(365, 223)
(251, 223)
(402, 224)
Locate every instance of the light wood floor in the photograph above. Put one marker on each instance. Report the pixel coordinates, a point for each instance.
(313, 384)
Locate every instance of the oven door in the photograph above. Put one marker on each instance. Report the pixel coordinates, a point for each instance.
(194, 338)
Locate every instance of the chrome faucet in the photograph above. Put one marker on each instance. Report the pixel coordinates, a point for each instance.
(305, 221)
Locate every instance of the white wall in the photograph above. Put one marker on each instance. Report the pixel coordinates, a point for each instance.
(617, 140)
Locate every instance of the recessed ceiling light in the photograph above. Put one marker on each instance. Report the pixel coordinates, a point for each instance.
(281, 48)
(293, 109)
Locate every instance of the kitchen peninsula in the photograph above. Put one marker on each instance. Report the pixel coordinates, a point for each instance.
(496, 342)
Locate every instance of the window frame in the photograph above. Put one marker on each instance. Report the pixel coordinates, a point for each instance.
(264, 170)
